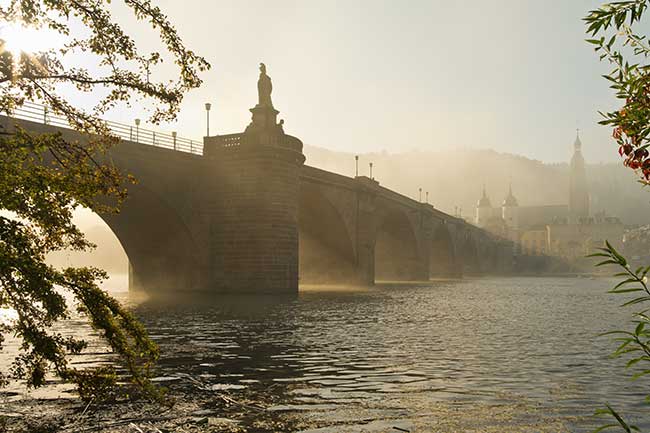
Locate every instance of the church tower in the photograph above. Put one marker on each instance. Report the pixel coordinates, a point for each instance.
(578, 194)
(510, 210)
(483, 210)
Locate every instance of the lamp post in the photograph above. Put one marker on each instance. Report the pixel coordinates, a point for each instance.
(137, 130)
(174, 138)
(207, 115)
(427, 197)
(420, 191)
(370, 170)
(356, 165)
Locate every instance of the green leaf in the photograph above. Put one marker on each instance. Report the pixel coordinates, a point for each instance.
(638, 289)
(631, 362)
(598, 255)
(639, 328)
(636, 301)
(638, 375)
(614, 333)
(622, 283)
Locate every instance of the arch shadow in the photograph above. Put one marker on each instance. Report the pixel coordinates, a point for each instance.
(397, 255)
(443, 262)
(162, 254)
(470, 257)
(326, 252)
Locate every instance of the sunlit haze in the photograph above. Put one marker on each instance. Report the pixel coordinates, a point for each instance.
(514, 76)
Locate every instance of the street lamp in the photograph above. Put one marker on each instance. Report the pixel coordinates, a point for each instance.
(420, 191)
(370, 170)
(174, 138)
(356, 165)
(427, 197)
(137, 130)
(207, 115)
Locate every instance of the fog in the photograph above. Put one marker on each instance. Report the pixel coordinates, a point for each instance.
(108, 255)
(453, 179)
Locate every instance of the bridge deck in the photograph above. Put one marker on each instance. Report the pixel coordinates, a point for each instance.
(317, 175)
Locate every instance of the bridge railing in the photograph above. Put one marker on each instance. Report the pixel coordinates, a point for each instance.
(42, 114)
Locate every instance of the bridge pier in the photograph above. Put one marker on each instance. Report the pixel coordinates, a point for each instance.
(254, 237)
(364, 229)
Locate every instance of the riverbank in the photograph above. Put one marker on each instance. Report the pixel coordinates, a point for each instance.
(222, 414)
(188, 411)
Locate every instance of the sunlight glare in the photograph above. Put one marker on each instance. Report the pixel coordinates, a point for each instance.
(18, 39)
(7, 315)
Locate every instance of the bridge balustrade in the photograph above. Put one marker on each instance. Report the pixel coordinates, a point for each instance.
(233, 141)
(42, 114)
(230, 140)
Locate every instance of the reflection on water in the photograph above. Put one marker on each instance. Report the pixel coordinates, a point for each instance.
(475, 355)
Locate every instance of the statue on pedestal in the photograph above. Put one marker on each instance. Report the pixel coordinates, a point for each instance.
(264, 88)
(264, 114)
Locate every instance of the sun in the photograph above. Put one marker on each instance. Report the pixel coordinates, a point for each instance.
(20, 39)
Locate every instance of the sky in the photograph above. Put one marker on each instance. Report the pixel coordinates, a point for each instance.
(363, 76)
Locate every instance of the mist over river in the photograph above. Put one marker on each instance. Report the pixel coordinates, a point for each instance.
(488, 355)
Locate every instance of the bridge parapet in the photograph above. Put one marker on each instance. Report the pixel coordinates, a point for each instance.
(44, 115)
(216, 144)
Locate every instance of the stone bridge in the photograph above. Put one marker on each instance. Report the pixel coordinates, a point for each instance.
(243, 213)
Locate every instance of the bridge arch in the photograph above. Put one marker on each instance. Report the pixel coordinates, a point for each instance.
(397, 252)
(443, 260)
(488, 257)
(161, 251)
(469, 254)
(326, 251)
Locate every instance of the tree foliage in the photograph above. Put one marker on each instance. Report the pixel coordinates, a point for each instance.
(613, 29)
(44, 177)
(635, 344)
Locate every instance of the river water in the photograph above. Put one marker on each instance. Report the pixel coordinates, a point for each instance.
(489, 355)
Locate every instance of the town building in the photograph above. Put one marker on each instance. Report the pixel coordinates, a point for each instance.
(567, 230)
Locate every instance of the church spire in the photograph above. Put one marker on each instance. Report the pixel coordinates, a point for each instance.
(484, 201)
(511, 200)
(578, 192)
(577, 145)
